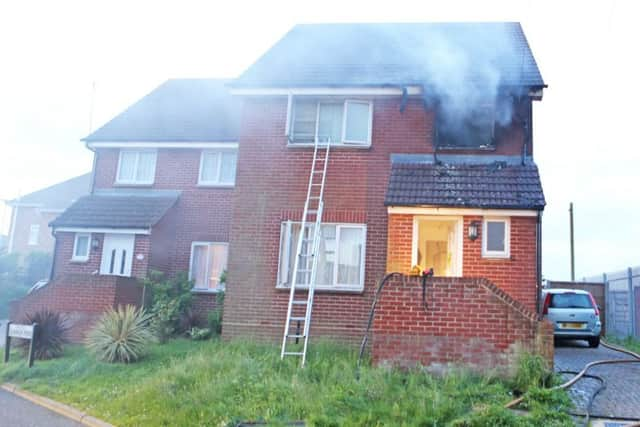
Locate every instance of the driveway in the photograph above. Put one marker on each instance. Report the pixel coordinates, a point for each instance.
(620, 398)
(17, 412)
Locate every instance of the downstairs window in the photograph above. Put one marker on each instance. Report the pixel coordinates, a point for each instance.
(341, 256)
(208, 262)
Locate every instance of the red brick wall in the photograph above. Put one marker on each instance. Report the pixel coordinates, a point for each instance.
(201, 213)
(64, 265)
(516, 274)
(271, 183)
(466, 322)
(81, 297)
(203, 303)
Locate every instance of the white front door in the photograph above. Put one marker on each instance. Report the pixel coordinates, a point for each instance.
(117, 254)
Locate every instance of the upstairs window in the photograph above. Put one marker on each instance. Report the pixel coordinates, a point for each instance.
(340, 256)
(345, 122)
(34, 234)
(495, 238)
(218, 167)
(136, 167)
(474, 129)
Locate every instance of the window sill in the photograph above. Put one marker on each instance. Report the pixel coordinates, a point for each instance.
(206, 291)
(461, 148)
(221, 186)
(333, 146)
(496, 256)
(132, 184)
(79, 260)
(328, 290)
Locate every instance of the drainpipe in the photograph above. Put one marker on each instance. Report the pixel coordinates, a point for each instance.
(538, 260)
(52, 270)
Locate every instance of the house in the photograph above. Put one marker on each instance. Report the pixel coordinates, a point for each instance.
(29, 229)
(161, 199)
(431, 166)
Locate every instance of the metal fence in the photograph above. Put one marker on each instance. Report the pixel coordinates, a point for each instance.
(622, 299)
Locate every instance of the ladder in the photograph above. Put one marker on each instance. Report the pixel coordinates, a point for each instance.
(303, 278)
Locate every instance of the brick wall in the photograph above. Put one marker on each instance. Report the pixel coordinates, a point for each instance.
(64, 251)
(203, 303)
(81, 297)
(24, 218)
(516, 274)
(466, 322)
(271, 184)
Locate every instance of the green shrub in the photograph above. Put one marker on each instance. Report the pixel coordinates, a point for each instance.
(9, 266)
(532, 372)
(171, 299)
(214, 318)
(198, 334)
(50, 336)
(121, 335)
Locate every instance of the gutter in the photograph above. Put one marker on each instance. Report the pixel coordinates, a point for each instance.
(538, 260)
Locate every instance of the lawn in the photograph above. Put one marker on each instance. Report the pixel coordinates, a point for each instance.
(184, 383)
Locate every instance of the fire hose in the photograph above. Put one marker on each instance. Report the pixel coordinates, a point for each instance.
(515, 402)
(583, 374)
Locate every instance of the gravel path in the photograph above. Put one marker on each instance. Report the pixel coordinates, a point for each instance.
(620, 398)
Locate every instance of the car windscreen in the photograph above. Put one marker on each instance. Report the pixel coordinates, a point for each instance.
(570, 301)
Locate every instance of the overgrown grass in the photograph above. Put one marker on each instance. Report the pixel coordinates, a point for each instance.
(185, 383)
(629, 343)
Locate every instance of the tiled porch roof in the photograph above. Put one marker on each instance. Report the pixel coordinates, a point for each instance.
(117, 210)
(497, 185)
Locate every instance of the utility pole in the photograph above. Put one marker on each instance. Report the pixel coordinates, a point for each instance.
(573, 258)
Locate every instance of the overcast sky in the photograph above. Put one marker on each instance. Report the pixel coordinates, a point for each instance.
(585, 128)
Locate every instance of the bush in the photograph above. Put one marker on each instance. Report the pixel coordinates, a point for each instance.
(532, 372)
(121, 335)
(171, 299)
(198, 334)
(214, 318)
(50, 336)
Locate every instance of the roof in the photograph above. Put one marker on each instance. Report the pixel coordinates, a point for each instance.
(114, 210)
(431, 54)
(489, 186)
(564, 291)
(57, 196)
(179, 110)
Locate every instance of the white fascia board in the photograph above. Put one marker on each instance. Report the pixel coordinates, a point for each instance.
(120, 144)
(24, 205)
(328, 91)
(145, 231)
(435, 210)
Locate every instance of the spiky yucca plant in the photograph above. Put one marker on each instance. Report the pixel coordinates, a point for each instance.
(51, 334)
(121, 335)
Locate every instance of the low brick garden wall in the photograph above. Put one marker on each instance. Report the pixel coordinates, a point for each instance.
(466, 322)
(82, 298)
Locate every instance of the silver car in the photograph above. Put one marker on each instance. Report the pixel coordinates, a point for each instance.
(574, 314)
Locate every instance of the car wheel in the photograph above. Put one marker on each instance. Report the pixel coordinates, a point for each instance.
(594, 342)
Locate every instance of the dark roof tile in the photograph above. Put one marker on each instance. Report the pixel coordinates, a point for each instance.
(396, 54)
(497, 186)
(179, 110)
(117, 211)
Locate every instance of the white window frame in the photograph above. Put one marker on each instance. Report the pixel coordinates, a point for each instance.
(507, 238)
(135, 169)
(221, 286)
(82, 258)
(290, 128)
(286, 246)
(459, 254)
(216, 182)
(34, 235)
